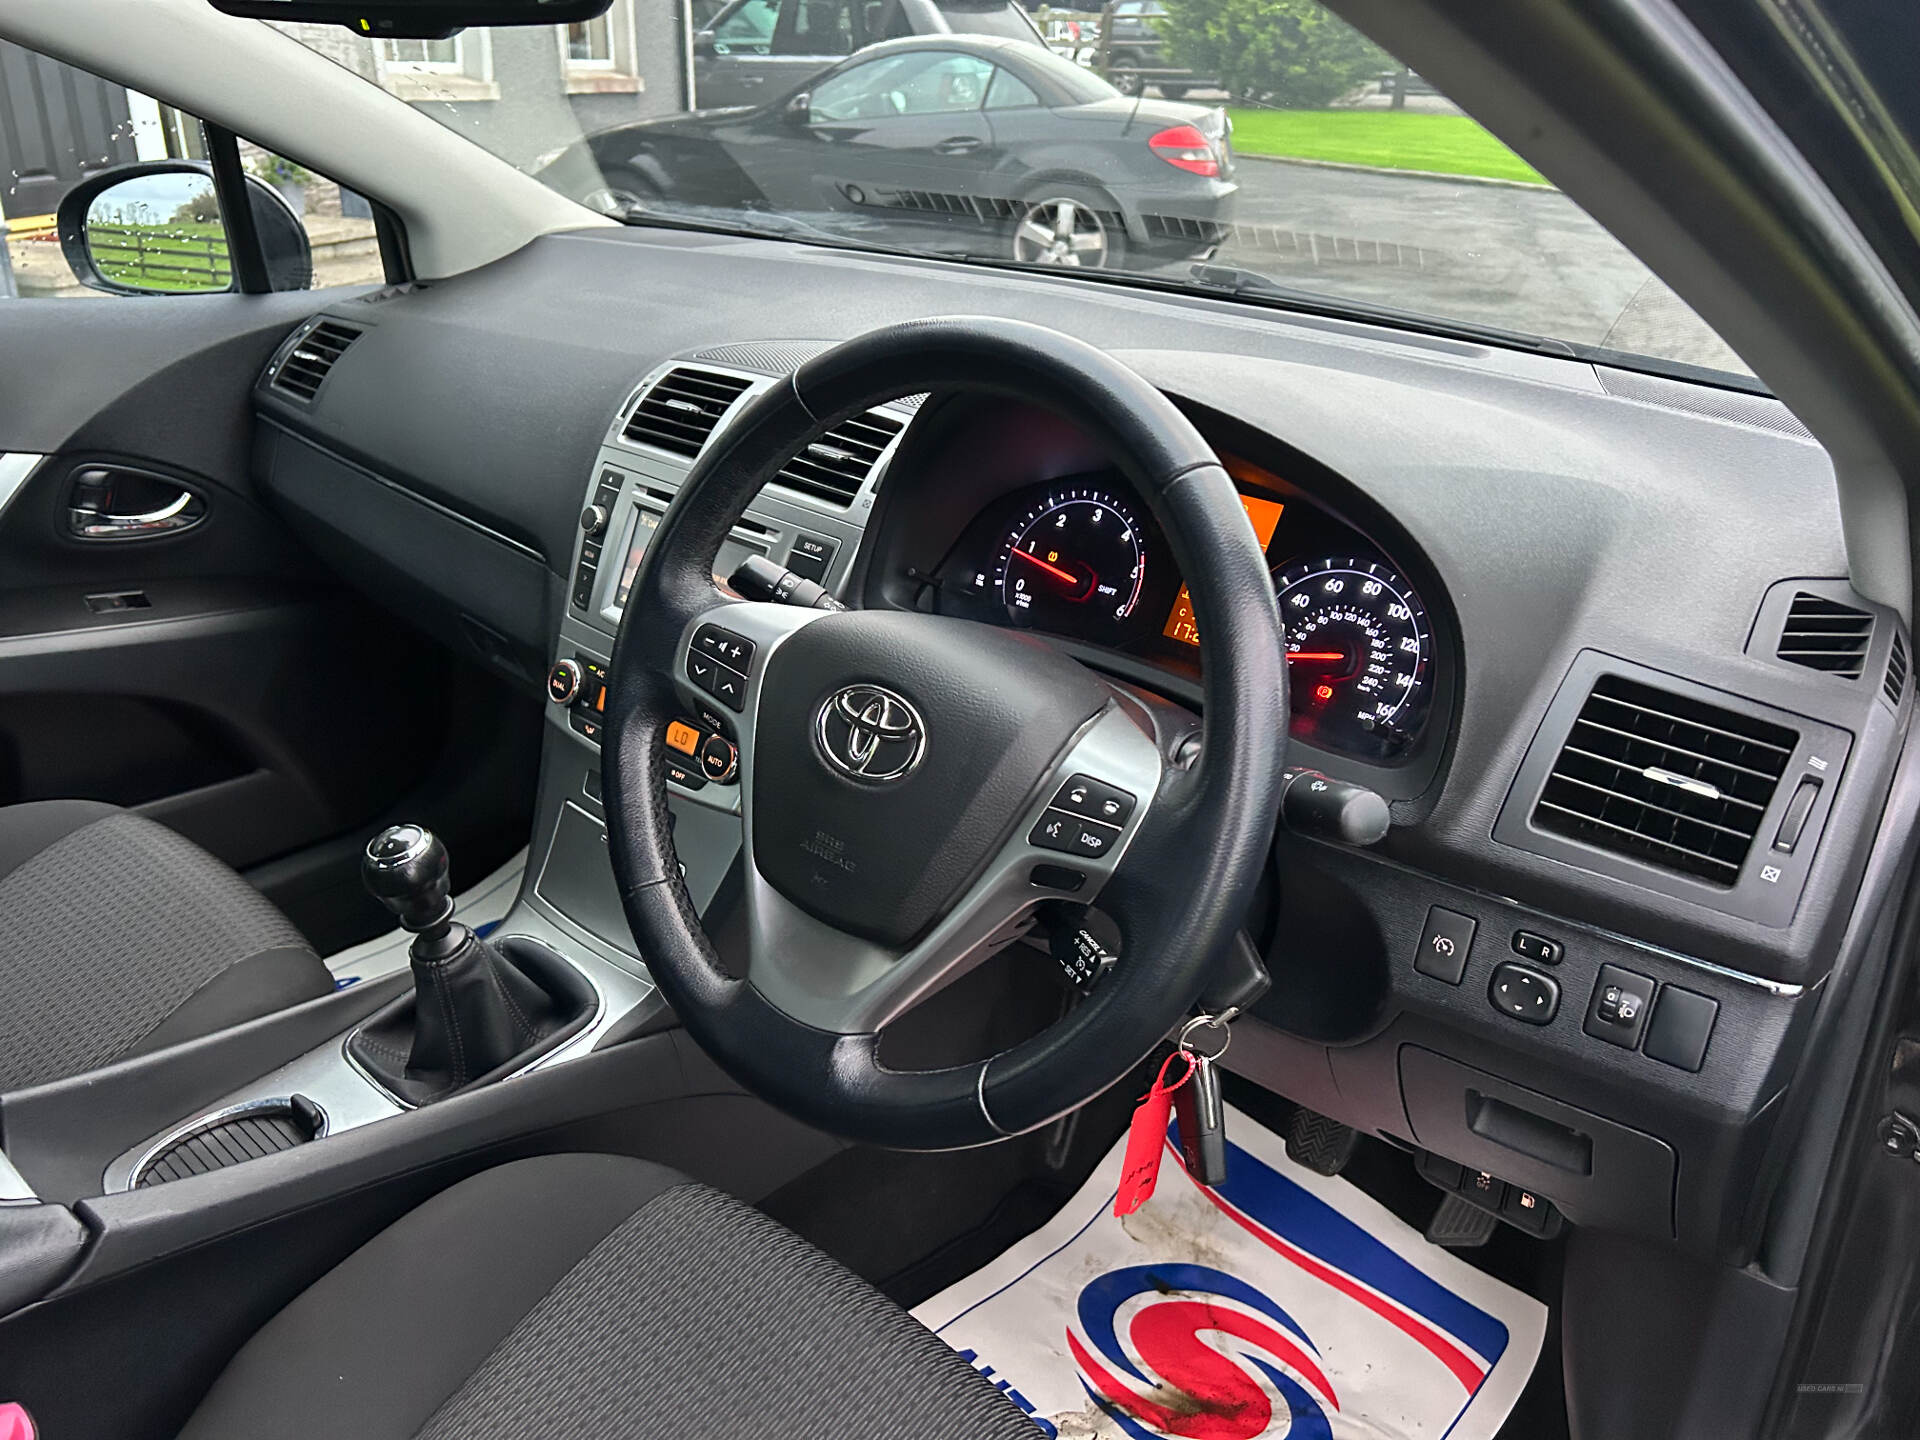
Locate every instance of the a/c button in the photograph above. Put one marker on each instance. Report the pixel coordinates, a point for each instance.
(1444, 944)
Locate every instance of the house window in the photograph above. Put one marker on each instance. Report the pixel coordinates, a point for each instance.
(589, 43)
(599, 55)
(422, 54)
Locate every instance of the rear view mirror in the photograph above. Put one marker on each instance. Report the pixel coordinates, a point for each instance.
(417, 19)
(156, 229)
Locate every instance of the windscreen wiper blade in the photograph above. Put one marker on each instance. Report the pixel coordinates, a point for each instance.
(1252, 285)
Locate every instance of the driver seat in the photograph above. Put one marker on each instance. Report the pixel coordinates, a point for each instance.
(595, 1295)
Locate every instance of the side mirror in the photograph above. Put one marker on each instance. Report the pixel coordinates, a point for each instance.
(799, 109)
(156, 229)
(704, 47)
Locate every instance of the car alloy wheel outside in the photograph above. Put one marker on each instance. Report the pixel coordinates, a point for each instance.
(1059, 231)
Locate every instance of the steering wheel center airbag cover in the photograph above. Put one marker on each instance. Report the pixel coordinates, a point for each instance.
(883, 858)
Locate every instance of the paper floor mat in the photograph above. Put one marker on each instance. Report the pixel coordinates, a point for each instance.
(1282, 1304)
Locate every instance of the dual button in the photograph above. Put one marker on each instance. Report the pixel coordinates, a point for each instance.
(1084, 818)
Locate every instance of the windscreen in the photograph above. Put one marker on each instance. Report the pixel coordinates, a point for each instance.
(1259, 148)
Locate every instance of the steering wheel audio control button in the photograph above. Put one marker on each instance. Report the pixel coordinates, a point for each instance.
(1071, 835)
(1444, 944)
(1094, 800)
(733, 651)
(727, 686)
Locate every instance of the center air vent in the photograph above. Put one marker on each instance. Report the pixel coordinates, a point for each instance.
(680, 409)
(1668, 780)
(837, 466)
(304, 369)
(1826, 635)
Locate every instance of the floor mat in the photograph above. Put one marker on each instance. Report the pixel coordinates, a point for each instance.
(1282, 1304)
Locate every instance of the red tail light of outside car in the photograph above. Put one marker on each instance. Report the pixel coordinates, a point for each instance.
(1185, 148)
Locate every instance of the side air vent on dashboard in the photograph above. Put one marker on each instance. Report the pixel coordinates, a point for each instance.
(1894, 685)
(304, 369)
(1825, 635)
(838, 465)
(680, 409)
(1664, 779)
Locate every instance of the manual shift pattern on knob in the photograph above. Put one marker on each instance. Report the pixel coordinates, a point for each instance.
(405, 868)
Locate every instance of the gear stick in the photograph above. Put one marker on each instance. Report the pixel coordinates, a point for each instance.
(473, 1012)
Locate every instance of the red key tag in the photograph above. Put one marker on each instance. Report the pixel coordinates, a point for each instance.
(1146, 1136)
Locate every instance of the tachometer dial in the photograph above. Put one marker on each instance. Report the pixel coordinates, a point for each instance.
(1359, 654)
(1074, 562)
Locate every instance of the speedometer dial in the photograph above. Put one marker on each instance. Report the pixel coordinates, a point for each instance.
(1359, 654)
(1073, 562)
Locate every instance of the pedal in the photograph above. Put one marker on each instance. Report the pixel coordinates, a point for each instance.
(1324, 1146)
(1460, 1225)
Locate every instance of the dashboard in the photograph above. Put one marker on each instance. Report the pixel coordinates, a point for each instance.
(1524, 596)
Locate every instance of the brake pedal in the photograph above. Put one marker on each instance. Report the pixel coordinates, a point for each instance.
(1324, 1146)
(1460, 1225)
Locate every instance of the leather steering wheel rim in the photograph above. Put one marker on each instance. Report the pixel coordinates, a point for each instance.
(1181, 888)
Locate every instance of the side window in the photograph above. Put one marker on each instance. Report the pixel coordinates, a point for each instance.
(917, 83)
(133, 180)
(820, 27)
(749, 27)
(1008, 92)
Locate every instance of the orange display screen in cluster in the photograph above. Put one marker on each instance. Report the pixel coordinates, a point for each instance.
(1265, 515)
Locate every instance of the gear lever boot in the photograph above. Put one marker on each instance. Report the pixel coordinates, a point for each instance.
(472, 1012)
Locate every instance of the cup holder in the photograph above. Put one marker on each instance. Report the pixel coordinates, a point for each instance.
(230, 1137)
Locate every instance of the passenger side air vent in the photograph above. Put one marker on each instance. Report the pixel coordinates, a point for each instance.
(1825, 635)
(680, 409)
(304, 369)
(1668, 780)
(1895, 683)
(838, 465)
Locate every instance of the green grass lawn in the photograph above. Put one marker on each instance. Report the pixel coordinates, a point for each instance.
(1391, 139)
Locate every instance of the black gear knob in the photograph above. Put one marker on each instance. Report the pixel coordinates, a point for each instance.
(406, 869)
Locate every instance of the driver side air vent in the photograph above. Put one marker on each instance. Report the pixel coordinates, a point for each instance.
(304, 369)
(680, 409)
(1894, 683)
(1826, 635)
(1665, 779)
(837, 466)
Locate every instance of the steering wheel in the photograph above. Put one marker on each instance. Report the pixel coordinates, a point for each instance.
(899, 772)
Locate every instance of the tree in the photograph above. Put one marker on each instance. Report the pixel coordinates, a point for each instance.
(1295, 54)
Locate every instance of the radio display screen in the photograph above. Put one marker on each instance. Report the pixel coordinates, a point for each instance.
(644, 524)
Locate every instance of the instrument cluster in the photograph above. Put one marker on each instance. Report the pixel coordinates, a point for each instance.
(1082, 558)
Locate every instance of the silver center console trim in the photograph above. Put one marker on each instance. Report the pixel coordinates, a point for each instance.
(219, 1117)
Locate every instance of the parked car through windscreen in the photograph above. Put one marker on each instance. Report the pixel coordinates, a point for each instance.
(950, 143)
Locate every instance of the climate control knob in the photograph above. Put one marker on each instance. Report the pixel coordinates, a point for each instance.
(564, 681)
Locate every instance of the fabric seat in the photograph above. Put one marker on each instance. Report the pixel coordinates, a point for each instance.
(596, 1296)
(119, 937)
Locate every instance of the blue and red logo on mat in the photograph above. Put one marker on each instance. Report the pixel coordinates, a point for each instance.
(1199, 1388)
(1188, 1387)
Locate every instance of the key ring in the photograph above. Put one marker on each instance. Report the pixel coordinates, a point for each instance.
(1218, 1022)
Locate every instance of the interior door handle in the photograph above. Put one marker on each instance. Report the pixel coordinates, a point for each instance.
(958, 145)
(109, 504)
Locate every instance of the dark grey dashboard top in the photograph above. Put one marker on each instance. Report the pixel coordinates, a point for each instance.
(1557, 517)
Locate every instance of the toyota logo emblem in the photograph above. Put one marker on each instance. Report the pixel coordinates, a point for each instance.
(870, 733)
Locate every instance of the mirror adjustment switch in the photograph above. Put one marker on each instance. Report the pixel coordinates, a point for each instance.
(1538, 948)
(1524, 994)
(1444, 944)
(1617, 1013)
(1682, 1024)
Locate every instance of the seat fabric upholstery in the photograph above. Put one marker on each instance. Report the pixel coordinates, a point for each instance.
(118, 936)
(595, 1295)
